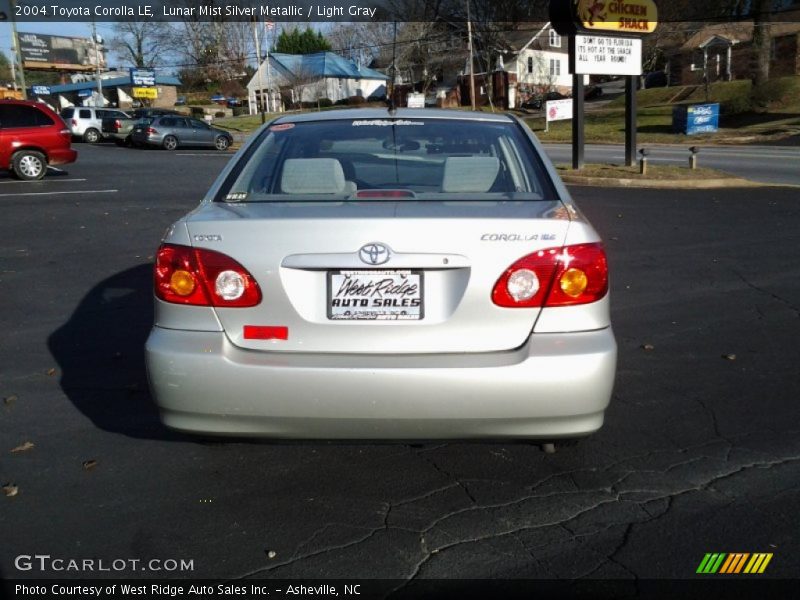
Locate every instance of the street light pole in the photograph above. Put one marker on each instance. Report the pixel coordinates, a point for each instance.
(100, 98)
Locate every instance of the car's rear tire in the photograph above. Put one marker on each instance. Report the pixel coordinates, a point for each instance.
(91, 136)
(29, 165)
(221, 143)
(170, 142)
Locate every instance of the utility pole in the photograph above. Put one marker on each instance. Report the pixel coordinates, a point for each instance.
(270, 100)
(14, 64)
(100, 98)
(471, 62)
(260, 95)
(18, 54)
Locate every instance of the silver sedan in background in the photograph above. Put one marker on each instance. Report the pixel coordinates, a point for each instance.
(171, 131)
(373, 274)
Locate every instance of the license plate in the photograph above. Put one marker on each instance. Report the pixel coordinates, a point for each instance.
(394, 295)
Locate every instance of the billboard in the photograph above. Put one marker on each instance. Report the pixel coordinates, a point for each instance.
(51, 52)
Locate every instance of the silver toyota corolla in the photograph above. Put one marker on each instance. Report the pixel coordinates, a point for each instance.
(416, 274)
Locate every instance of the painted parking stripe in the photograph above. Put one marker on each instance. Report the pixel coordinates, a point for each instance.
(203, 154)
(58, 193)
(55, 180)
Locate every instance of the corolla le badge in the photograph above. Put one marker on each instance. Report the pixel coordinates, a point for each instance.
(374, 254)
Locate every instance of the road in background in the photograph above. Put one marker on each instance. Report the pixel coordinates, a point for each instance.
(767, 164)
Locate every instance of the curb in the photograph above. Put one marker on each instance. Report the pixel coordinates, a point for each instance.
(698, 184)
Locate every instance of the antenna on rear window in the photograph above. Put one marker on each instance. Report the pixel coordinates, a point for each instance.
(390, 98)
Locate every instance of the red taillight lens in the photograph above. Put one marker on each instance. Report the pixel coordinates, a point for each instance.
(65, 133)
(74, 123)
(151, 131)
(201, 277)
(117, 124)
(554, 277)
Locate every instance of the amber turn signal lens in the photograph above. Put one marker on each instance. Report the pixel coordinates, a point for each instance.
(182, 283)
(573, 282)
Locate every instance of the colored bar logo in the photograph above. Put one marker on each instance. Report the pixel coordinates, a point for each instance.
(734, 563)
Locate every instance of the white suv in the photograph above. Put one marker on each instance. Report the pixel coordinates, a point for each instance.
(87, 122)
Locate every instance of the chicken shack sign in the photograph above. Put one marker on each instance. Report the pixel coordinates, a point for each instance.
(622, 17)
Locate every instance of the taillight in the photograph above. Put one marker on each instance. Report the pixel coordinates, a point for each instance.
(201, 277)
(554, 277)
(74, 122)
(117, 125)
(65, 133)
(151, 131)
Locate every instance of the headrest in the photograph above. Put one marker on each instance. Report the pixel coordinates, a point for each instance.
(470, 173)
(312, 176)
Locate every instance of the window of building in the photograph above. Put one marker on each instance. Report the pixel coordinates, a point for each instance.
(555, 67)
(555, 39)
(530, 64)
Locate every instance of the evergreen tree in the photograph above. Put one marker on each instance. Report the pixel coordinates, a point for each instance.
(297, 42)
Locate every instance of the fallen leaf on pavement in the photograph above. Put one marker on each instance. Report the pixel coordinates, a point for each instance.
(648, 347)
(10, 489)
(89, 464)
(51, 372)
(9, 400)
(729, 356)
(272, 554)
(23, 447)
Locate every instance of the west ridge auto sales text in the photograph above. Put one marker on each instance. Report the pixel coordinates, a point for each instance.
(146, 10)
(155, 590)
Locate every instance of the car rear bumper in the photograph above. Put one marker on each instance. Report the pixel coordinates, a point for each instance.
(62, 156)
(555, 386)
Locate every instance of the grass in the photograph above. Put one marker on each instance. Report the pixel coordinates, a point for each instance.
(663, 172)
(779, 118)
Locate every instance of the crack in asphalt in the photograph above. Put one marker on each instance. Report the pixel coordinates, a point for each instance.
(772, 295)
(608, 494)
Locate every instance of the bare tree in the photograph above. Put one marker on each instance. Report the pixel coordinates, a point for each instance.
(139, 43)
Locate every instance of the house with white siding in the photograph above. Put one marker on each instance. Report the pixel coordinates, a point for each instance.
(284, 79)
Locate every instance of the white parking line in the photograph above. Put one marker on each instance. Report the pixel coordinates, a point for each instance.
(57, 193)
(54, 180)
(203, 154)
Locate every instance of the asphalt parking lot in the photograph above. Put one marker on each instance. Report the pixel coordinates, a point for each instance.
(700, 452)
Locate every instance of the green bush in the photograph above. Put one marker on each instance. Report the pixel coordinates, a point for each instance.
(219, 115)
(325, 102)
(197, 112)
(356, 100)
(241, 110)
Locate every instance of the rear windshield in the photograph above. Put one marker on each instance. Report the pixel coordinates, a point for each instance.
(365, 159)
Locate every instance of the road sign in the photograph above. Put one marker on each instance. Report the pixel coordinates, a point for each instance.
(41, 90)
(604, 55)
(145, 92)
(85, 93)
(143, 77)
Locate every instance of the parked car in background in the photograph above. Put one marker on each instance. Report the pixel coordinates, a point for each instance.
(86, 122)
(592, 91)
(171, 131)
(413, 274)
(32, 136)
(180, 101)
(119, 129)
(537, 102)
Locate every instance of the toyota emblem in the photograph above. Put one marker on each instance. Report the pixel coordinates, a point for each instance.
(374, 254)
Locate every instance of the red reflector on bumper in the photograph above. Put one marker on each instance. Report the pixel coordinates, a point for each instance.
(258, 332)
